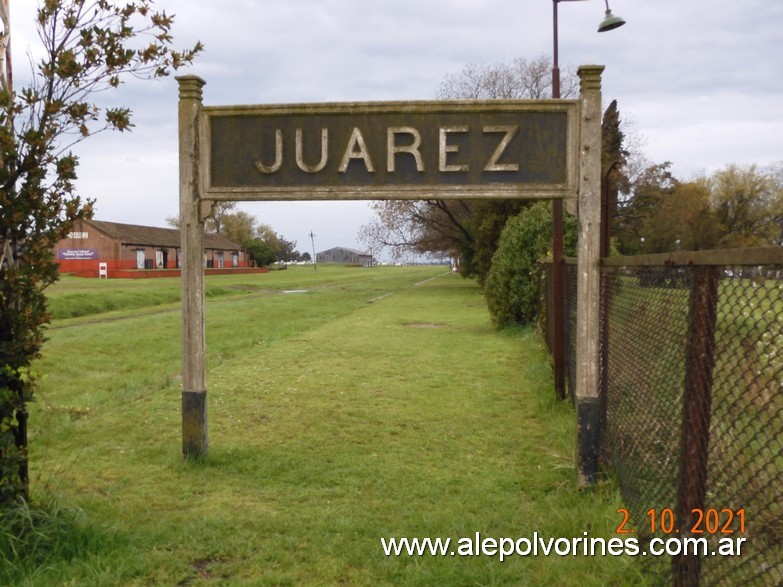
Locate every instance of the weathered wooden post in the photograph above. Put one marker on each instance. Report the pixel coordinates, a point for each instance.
(588, 307)
(194, 391)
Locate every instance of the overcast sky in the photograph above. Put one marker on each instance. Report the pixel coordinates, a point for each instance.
(701, 81)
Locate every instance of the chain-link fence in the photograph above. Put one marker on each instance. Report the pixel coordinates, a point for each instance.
(546, 323)
(692, 385)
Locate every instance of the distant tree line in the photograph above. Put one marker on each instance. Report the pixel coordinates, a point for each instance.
(736, 206)
(263, 244)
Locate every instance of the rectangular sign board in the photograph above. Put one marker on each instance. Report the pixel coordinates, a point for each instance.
(397, 150)
(76, 254)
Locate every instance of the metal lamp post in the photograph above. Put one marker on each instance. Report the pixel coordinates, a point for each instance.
(558, 282)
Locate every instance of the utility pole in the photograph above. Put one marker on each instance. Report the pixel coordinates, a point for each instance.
(312, 240)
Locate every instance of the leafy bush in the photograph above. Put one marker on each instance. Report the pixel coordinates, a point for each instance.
(511, 287)
(90, 47)
(260, 252)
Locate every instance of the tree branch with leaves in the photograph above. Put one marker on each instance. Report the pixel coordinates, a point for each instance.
(89, 47)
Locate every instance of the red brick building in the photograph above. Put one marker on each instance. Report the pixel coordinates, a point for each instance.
(145, 251)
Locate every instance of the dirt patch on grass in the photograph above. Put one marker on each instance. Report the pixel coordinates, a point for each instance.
(204, 569)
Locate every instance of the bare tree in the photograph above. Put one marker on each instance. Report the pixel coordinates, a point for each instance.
(216, 220)
(220, 211)
(461, 228)
(425, 226)
(520, 79)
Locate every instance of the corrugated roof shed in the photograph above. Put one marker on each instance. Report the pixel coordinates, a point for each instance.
(354, 251)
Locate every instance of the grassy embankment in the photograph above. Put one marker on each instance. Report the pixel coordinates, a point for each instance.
(364, 408)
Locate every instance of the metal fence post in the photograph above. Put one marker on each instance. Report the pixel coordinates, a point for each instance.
(603, 386)
(697, 403)
(558, 294)
(548, 304)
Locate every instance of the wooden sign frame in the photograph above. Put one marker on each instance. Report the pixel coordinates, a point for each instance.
(445, 168)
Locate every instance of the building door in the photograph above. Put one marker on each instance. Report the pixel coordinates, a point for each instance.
(139, 258)
(235, 259)
(159, 260)
(220, 259)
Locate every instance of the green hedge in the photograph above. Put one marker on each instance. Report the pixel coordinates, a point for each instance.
(511, 288)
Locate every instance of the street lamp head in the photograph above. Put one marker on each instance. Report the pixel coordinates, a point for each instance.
(610, 22)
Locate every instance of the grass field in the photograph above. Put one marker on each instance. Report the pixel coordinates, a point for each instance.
(375, 404)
